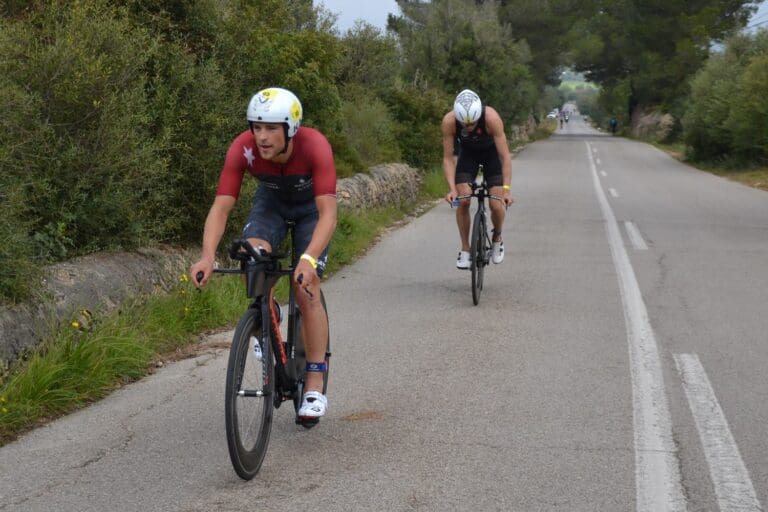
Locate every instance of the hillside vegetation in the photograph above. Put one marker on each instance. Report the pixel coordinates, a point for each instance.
(117, 114)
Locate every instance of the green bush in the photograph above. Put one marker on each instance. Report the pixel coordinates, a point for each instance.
(118, 114)
(704, 122)
(88, 162)
(369, 128)
(749, 111)
(726, 113)
(419, 111)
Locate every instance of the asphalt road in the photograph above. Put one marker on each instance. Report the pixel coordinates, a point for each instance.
(615, 363)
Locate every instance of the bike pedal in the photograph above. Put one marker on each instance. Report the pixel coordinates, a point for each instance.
(307, 422)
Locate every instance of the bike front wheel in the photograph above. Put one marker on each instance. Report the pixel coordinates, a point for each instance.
(478, 255)
(250, 386)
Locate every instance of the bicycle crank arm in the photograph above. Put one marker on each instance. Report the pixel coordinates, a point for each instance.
(249, 393)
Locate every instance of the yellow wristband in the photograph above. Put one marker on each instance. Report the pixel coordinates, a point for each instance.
(506, 187)
(312, 261)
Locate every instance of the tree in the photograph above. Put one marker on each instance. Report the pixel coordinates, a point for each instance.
(457, 44)
(654, 45)
(370, 58)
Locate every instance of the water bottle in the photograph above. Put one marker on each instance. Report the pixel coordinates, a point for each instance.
(455, 203)
(256, 348)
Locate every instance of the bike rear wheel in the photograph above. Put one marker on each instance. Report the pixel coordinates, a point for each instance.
(477, 254)
(300, 362)
(249, 391)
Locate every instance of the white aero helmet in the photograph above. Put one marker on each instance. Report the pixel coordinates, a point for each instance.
(276, 105)
(467, 108)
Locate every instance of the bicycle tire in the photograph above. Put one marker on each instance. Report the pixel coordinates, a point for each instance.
(249, 418)
(300, 362)
(485, 249)
(477, 256)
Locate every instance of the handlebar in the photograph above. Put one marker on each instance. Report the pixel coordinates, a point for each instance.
(478, 190)
(242, 250)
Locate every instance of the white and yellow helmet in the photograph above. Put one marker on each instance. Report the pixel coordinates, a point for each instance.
(467, 108)
(276, 105)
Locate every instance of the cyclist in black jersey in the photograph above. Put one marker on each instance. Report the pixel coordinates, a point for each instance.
(473, 134)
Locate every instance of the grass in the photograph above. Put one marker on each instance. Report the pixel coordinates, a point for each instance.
(92, 356)
(746, 174)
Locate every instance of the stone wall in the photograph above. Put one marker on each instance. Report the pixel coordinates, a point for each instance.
(522, 133)
(100, 282)
(654, 125)
(383, 185)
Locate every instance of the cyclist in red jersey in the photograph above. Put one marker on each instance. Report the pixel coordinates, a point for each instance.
(297, 182)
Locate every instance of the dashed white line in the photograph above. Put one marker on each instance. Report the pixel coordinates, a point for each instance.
(598, 161)
(733, 487)
(604, 174)
(657, 473)
(634, 236)
(613, 192)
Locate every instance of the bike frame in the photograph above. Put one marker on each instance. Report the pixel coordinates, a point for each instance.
(261, 275)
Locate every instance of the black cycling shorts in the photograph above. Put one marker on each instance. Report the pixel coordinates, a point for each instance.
(269, 217)
(469, 161)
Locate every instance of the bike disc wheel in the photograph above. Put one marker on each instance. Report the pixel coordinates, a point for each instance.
(300, 362)
(249, 391)
(484, 252)
(477, 256)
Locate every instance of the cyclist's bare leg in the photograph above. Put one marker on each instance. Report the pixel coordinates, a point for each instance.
(314, 325)
(462, 214)
(498, 212)
(258, 242)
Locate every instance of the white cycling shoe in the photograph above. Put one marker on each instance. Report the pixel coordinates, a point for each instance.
(497, 252)
(462, 262)
(314, 404)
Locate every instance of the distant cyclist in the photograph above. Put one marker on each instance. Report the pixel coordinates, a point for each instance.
(297, 182)
(477, 131)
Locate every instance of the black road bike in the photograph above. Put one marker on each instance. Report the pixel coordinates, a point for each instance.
(480, 241)
(265, 369)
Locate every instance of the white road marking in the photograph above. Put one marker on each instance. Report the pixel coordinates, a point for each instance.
(733, 487)
(598, 161)
(605, 174)
(634, 236)
(657, 473)
(613, 192)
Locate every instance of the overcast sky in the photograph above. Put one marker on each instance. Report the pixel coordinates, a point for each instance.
(375, 12)
(760, 19)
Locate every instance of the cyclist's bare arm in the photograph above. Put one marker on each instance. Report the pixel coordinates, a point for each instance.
(448, 129)
(495, 128)
(215, 224)
(321, 237)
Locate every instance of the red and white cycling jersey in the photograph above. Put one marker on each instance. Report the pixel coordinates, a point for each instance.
(308, 173)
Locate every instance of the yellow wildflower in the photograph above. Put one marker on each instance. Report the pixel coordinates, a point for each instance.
(76, 324)
(184, 278)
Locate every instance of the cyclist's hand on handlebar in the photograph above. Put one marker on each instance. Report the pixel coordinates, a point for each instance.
(305, 276)
(508, 199)
(451, 196)
(204, 267)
